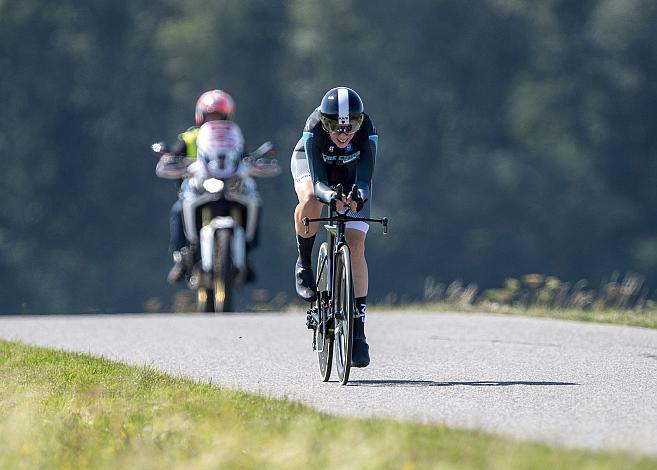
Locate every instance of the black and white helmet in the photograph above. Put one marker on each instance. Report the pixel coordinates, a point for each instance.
(341, 110)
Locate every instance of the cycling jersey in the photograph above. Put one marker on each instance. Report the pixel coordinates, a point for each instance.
(329, 164)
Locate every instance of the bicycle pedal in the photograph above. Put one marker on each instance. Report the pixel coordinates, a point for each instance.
(310, 321)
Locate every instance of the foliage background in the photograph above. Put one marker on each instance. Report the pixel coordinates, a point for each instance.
(515, 136)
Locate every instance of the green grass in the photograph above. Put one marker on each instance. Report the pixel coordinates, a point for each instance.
(643, 318)
(64, 410)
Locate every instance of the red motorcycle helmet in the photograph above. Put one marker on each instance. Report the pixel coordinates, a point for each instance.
(214, 102)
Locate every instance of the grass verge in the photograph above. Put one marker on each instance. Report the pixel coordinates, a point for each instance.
(65, 410)
(644, 318)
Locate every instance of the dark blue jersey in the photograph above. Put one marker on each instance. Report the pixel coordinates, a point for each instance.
(330, 165)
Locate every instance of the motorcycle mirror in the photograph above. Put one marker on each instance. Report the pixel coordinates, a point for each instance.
(159, 147)
(263, 150)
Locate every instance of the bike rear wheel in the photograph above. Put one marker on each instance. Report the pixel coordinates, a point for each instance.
(222, 277)
(344, 311)
(323, 333)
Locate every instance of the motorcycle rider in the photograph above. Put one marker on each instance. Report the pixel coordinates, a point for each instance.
(338, 146)
(212, 106)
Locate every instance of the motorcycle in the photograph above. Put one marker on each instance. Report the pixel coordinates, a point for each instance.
(220, 215)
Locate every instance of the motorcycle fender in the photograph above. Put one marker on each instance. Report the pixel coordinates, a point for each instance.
(207, 239)
(238, 248)
(190, 202)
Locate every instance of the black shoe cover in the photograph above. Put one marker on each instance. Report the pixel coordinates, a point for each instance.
(360, 354)
(305, 282)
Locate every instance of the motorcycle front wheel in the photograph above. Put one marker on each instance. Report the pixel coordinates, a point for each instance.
(223, 277)
(204, 300)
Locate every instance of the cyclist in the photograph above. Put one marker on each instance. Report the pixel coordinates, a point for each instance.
(338, 146)
(213, 105)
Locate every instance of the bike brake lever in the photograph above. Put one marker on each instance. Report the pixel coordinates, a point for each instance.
(339, 191)
(305, 222)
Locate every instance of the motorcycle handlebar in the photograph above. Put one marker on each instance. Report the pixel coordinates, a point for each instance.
(160, 148)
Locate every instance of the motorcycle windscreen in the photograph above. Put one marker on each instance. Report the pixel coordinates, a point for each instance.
(219, 148)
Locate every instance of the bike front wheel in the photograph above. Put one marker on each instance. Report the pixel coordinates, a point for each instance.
(344, 314)
(324, 329)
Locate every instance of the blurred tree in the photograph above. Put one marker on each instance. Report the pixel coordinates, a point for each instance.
(515, 136)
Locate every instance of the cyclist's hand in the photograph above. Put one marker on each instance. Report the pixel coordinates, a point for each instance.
(355, 200)
(353, 205)
(338, 204)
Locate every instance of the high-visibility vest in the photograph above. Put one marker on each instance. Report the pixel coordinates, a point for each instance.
(189, 136)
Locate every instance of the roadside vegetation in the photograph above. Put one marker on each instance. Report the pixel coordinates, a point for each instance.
(621, 301)
(65, 410)
(644, 319)
(522, 137)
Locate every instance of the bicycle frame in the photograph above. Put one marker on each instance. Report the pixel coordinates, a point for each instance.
(336, 239)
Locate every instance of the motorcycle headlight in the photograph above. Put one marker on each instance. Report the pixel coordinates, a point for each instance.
(213, 185)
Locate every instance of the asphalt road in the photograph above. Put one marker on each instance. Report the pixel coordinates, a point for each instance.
(572, 384)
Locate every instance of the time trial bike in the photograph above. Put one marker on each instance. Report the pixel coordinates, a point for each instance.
(331, 315)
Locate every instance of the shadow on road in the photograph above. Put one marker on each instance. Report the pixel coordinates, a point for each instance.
(432, 383)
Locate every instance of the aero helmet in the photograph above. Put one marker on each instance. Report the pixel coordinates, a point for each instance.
(341, 110)
(214, 101)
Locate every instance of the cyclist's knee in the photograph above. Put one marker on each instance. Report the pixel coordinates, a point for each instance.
(307, 199)
(305, 191)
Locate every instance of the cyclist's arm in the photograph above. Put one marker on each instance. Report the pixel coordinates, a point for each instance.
(171, 165)
(365, 167)
(323, 191)
(179, 148)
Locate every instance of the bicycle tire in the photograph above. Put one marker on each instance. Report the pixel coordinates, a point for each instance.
(344, 307)
(323, 338)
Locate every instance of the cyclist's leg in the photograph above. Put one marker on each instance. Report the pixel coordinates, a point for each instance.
(360, 356)
(356, 233)
(356, 242)
(308, 206)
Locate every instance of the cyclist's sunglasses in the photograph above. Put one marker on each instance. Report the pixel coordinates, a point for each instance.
(332, 125)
